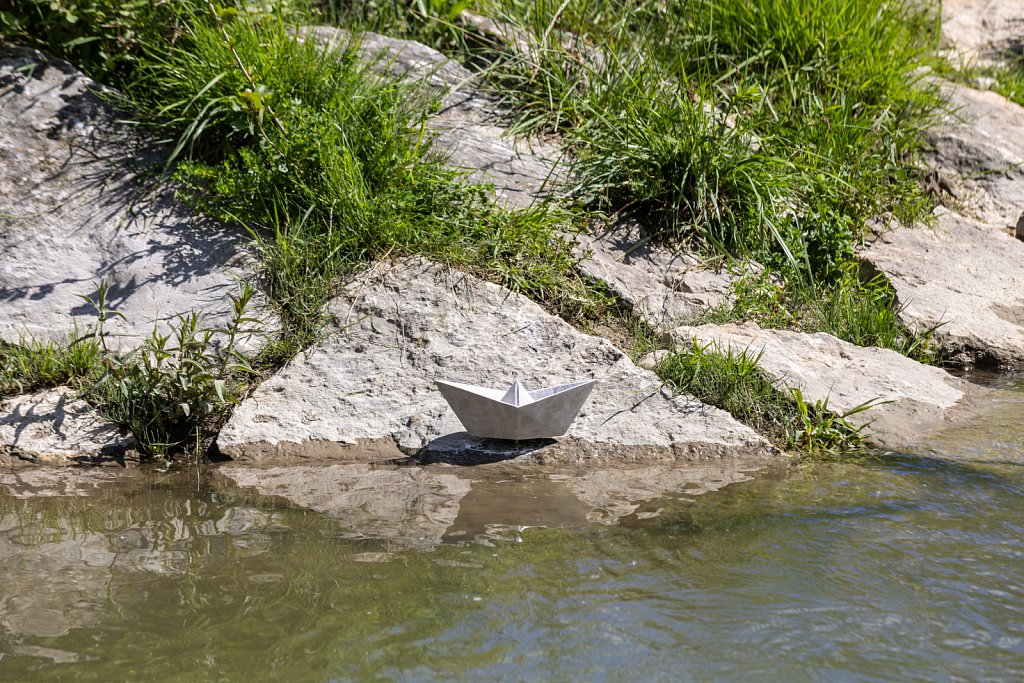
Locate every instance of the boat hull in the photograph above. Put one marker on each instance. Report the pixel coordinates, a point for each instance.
(549, 414)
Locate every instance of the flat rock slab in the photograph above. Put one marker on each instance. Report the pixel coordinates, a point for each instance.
(73, 213)
(979, 150)
(663, 287)
(56, 428)
(981, 29)
(468, 129)
(824, 367)
(967, 277)
(367, 391)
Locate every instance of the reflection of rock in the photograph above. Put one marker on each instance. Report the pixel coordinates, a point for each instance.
(519, 502)
(54, 427)
(34, 483)
(614, 493)
(61, 561)
(72, 212)
(408, 507)
(405, 323)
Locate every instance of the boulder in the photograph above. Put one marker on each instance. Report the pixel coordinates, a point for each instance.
(73, 212)
(963, 278)
(978, 30)
(54, 427)
(366, 392)
(918, 399)
(662, 286)
(468, 127)
(978, 150)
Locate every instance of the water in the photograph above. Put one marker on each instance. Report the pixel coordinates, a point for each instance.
(905, 568)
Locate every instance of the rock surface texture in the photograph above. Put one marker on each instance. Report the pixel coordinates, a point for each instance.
(661, 286)
(404, 324)
(978, 30)
(72, 213)
(965, 277)
(918, 396)
(53, 427)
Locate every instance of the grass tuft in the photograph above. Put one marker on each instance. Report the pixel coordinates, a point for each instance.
(733, 381)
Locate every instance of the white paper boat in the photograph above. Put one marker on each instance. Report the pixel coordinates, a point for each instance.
(516, 413)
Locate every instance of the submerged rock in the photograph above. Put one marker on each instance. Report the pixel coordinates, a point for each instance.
(367, 391)
(54, 427)
(73, 212)
(912, 399)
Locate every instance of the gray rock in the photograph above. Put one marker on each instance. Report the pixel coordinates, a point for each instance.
(73, 212)
(977, 30)
(979, 151)
(367, 391)
(919, 397)
(661, 286)
(964, 276)
(54, 427)
(468, 127)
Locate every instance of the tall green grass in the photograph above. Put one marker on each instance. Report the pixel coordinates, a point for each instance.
(329, 165)
(735, 382)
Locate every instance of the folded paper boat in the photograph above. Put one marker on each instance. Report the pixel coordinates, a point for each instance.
(516, 413)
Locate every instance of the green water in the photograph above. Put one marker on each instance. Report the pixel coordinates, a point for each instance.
(909, 567)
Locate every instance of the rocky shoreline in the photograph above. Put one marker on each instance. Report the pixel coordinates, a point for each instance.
(73, 213)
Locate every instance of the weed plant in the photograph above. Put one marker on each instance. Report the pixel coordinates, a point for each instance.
(172, 392)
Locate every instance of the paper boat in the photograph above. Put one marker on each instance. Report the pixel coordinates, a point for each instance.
(516, 413)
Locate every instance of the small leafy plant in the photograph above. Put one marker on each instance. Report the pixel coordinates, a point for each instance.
(171, 389)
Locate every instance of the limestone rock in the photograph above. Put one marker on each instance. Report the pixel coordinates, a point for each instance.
(54, 427)
(979, 150)
(468, 127)
(663, 287)
(824, 367)
(405, 323)
(965, 276)
(73, 212)
(981, 29)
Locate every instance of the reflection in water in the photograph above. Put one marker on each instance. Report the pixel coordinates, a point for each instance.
(902, 568)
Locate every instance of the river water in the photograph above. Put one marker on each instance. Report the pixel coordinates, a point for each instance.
(906, 567)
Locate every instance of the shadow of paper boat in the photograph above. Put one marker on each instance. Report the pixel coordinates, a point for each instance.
(516, 414)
